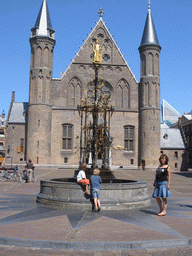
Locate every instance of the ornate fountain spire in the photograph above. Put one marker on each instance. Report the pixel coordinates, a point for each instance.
(101, 12)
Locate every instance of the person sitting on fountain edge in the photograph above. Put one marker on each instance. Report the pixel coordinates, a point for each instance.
(95, 189)
(81, 178)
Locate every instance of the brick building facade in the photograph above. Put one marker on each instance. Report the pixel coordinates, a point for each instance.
(47, 129)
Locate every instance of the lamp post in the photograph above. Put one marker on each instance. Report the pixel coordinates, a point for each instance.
(96, 63)
(13, 127)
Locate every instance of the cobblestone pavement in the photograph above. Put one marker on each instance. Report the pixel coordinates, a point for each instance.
(31, 229)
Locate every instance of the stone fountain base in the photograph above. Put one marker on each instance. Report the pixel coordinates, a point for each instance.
(115, 194)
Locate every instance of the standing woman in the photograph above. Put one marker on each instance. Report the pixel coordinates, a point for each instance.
(162, 184)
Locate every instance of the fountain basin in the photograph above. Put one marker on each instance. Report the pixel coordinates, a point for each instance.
(115, 194)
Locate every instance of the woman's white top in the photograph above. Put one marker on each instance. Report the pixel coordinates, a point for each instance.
(80, 175)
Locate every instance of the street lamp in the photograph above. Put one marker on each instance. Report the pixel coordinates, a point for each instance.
(13, 127)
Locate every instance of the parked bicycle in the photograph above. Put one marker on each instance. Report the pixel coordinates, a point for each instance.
(24, 176)
(13, 175)
(7, 175)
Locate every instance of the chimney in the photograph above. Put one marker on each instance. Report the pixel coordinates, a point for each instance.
(13, 96)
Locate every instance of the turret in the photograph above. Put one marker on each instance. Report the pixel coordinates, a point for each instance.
(40, 106)
(149, 96)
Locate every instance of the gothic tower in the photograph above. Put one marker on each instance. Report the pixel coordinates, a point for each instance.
(40, 107)
(149, 96)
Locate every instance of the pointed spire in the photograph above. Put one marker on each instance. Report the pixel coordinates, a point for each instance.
(43, 26)
(149, 33)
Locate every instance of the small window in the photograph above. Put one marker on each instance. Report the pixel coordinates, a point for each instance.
(100, 35)
(188, 158)
(165, 136)
(106, 57)
(132, 161)
(1, 146)
(38, 122)
(128, 138)
(21, 159)
(176, 165)
(21, 145)
(187, 141)
(1, 131)
(37, 160)
(65, 160)
(176, 154)
(67, 137)
(8, 149)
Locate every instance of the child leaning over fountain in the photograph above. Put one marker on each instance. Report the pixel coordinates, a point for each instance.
(95, 188)
(81, 177)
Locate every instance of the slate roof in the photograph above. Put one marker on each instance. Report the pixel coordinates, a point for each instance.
(19, 112)
(149, 34)
(37, 24)
(43, 22)
(188, 115)
(171, 138)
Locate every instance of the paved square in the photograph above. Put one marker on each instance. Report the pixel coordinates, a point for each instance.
(27, 224)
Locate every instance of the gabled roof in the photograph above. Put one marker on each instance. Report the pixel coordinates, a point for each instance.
(149, 34)
(99, 24)
(19, 112)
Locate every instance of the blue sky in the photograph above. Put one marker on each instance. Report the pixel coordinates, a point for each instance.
(73, 19)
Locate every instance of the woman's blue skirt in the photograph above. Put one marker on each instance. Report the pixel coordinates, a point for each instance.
(161, 189)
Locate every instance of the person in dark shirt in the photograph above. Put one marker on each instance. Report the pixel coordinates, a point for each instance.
(30, 167)
(162, 184)
(95, 189)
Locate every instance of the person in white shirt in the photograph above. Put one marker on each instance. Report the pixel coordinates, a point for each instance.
(81, 178)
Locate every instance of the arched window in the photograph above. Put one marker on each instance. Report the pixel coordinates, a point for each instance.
(143, 65)
(123, 94)
(156, 66)
(46, 57)
(67, 136)
(74, 91)
(150, 64)
(38, 57)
